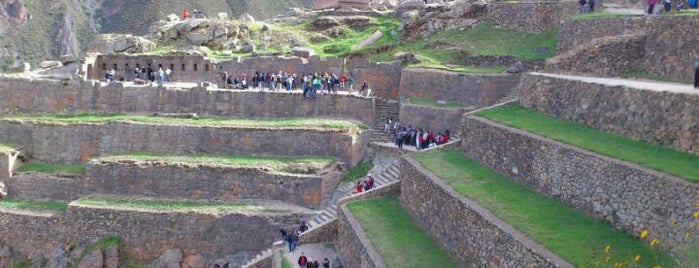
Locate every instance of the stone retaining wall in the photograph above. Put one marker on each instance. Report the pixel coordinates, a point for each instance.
(186, 68)
(668, 119)
(670, 47)
(146, 234)
(534, 16)
(41, 186)
(630, 197)
(205, 182)
(432, 118)
(384, 78)
(353, 244)
(324, 233)
(610, 56)
(472, 235)
(469, 89)
(75, 143)
(37, 97)
(5, 163)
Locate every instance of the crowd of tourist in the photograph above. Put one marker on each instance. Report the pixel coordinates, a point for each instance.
(365, 184)
(415, 136)
(146, 73)
(311, 84)
(304, 262)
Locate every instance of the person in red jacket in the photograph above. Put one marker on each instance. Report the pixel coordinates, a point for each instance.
(302, 260)
(185, 14)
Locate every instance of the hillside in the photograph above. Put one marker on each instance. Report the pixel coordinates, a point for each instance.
(37, 30)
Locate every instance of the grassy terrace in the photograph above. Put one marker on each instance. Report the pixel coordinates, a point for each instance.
(39, 206)
(578, 239)
(683, 165)
(52, 168)
(396, 237)
(358, 171)
(279, 163)
(177, 205)
(434, 103)
(296, 123)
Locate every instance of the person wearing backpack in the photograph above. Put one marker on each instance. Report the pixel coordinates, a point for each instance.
(302, 260)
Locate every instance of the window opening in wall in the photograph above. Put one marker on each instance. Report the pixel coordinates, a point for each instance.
(183, 67)
(138, 65)
(115, 67)
(160, 66)
(104, 66)
(206, 67)
(172, 67)
(195, 67)
(126, 66)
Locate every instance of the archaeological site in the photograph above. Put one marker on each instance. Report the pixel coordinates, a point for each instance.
(356, 134)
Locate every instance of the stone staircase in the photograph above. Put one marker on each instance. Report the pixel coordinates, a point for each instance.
(385, 172)
(383, 109)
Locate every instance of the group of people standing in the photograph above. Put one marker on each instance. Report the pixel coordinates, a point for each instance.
(365, 184)
(146, 73)
(312, 84)
(414, 136)
(667, 5)
(304, 262)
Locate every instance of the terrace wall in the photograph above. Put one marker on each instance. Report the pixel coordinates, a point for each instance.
(630, 197)
(37, 97)
(354, 247)
(4, 164)
(186, 68)
(384, 78)
(75, 143)
(436, 119)
(477, 90)
(670, 48)
(205, 182)
(146, 235)
(670, 120)
(41, 186)
(472, 235)
(532, 16)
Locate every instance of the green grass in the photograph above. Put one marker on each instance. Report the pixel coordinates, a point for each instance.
(483, 39)
(396, 237)
(433, 103)
(285, 262)
(683, 165)
(300, 123)
(358, 171)
(461, 69)
(280, 163)
(52, 168)
(175, 205)
(571, 235)
(104, 243)
(51, 206)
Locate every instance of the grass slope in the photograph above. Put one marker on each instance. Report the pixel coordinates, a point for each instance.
(579, 239)
(52, 168)
(395, 236)
(358, 171)
(203, 121)
(53, 206)
(683, 165)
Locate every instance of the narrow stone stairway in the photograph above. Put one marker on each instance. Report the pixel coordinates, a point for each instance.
(383, 109)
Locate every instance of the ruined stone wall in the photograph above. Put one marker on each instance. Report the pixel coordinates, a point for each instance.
(4, 163)
(41, 186)
(632, 198)
(186, 68)
(77, 143)
(353, 244)
(670, 47)
(472, 235)
(610, 56)
(534, 16)
(383, 78)
(469, 89)
(653, 116)
(203, 182)
(37, 97)
(145, 234)
(436, 119)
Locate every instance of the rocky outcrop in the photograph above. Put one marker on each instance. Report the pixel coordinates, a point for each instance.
(119, 43)
(426, 21)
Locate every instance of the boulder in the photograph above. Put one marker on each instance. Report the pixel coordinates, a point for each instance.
(172, 18)
(371, 39)
(5, 256)
(92, 259)
(247, 48)
(119, 43)
(410, 5)
(59, 258)
(303, 52)
(194, 261)
(247, 18)
(111, 257)
(222, 16)
(171, 258)
(406, 57)
(50, 64)
(518, 67)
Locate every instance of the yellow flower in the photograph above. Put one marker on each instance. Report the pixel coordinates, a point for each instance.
(617, 265)
(654, 242)
(606, 259)
(696, 205)
(696, 215)
(657, 266)
(644, 233)
(607, 249)
(637, 257)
